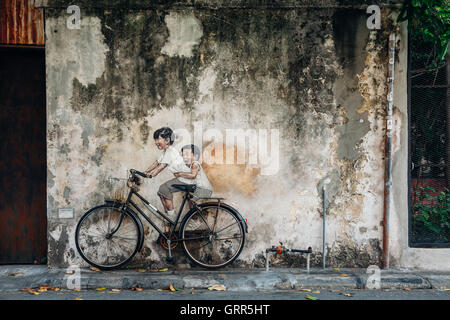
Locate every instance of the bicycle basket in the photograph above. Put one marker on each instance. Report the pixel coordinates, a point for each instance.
(117, 189)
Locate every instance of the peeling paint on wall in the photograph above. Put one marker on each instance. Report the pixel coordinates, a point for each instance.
(316, 75)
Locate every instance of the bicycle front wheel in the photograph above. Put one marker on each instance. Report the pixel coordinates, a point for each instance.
(107, 237)
(213, 236)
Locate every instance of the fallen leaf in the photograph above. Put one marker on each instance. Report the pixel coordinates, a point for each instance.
(57, 289)
(348, 295)
(42, 290)
(70, 272)
(222, 275)
(136, 289)
(407, 289)
(78, 298)
(36, 262)
(218, 287)
(336, 269)
(344, 275)
(172, 288)
(446, 289)
(76, 289)
(100, 289)
(335, 290)
(13, 274)
(142, 270)
(31, 291)
(94, 269)
(306, 290)
(311, 297)
(154, 270)
(163, 270)
(316, 291)
(46, 287)
(114, 291)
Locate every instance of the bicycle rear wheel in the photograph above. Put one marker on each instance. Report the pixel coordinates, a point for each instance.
(213, 236)
(98, 246)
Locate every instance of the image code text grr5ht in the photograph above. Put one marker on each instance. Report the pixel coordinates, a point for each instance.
(108, 236)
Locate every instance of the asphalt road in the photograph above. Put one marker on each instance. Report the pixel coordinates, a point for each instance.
(347, 294)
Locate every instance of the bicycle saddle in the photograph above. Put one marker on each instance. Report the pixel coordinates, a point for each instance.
(185, 187)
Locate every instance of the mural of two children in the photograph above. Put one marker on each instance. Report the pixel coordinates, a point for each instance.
(185, 167)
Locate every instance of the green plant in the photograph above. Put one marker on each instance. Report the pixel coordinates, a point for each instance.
(431, 219)
(429, 20)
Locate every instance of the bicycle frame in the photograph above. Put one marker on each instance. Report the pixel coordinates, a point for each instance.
(130, 205)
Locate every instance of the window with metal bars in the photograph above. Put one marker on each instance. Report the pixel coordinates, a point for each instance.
(429, 155)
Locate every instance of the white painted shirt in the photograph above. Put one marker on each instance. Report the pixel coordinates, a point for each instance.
(201, 180)
(174, 160)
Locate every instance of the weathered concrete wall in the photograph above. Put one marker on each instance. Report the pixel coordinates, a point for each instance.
(315, 74)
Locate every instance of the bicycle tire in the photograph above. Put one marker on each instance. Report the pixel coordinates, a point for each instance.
(189, 251)
(82, 245)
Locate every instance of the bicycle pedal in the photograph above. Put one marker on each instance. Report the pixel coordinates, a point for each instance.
(170, 260)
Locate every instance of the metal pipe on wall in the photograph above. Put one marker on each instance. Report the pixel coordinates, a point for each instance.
(326, 181)
(388, 152)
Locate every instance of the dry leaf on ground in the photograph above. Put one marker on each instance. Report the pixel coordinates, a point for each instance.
(222, 275)
(446, 289)
(336, 269)
(348, 295)
(70, 272)
(218, 287)
(136, 289)
(31, 291)
(316, 291)
(163, 270)
(114, 291)
(94, 269)
(100, 289)
(344, 275)
(311, 297)
(142, 270)
(13, 274)
(407, 289)
(76, 289)
(78, 298)
(335, 290)
(46, 287)
(306, 290)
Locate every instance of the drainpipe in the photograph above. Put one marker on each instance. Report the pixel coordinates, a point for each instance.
(388, 152)
(324, 253)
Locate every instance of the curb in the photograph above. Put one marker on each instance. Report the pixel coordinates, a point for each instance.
(247, 280)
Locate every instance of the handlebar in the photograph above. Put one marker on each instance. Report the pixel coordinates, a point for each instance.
(133, 172)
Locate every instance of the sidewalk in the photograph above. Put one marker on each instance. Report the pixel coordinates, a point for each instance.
(16, 277)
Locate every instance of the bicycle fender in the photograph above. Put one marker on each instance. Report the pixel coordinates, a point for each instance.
(136, 217)
(244, 223)
(141, 228)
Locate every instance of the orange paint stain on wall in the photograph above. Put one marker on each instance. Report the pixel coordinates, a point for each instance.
(229, 177)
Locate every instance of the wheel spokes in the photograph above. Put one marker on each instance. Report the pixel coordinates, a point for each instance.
(111, 250)
(221, 246)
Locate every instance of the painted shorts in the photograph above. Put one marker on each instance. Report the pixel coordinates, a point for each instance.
(166, 190)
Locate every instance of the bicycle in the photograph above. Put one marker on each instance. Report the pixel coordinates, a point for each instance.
(109, 236)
